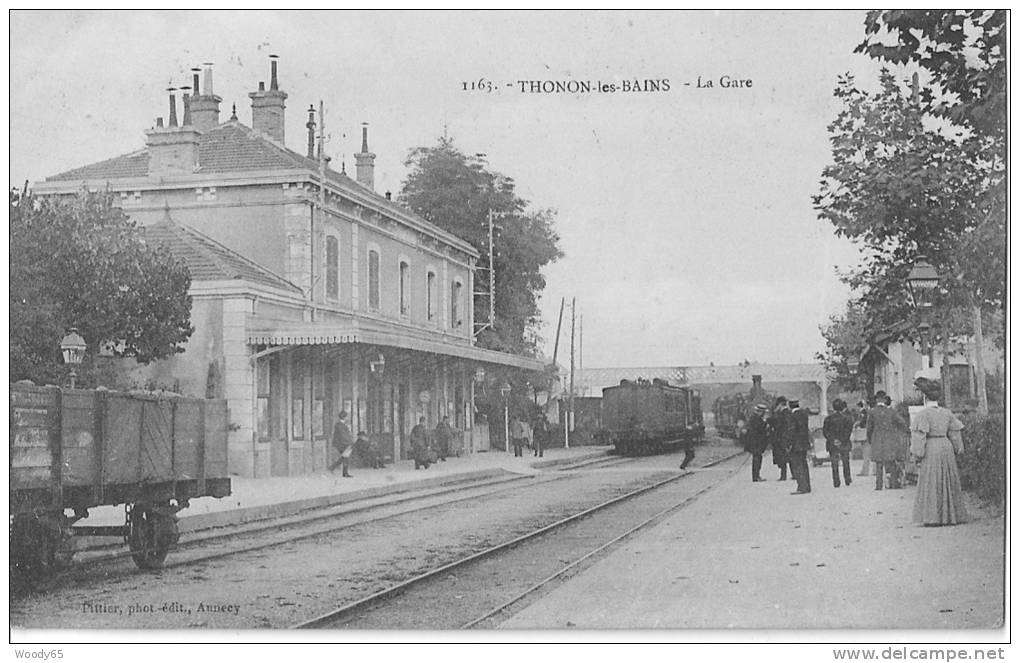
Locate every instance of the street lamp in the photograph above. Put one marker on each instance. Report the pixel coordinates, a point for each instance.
(853, 364)
(504, 391)
(921, 284)
(72, 346)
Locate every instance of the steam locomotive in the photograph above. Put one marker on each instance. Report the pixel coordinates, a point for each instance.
(732, 411)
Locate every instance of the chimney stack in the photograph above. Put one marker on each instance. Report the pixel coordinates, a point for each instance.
(173, 150)
(207, 81)
(173, 106)
(756, 389)
(267, 107)
(365, 161)
(311, 132)
(186, 101)
(205, 108)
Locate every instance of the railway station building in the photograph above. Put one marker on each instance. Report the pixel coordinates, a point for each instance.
(312, 293)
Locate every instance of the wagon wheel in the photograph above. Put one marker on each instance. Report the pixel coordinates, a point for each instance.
(151, 534)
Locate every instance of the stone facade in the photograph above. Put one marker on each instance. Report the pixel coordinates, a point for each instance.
(311, 295)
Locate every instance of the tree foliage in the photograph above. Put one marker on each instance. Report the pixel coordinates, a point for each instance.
(924, 173)
(903, 186)
(844, 343)
(80, 262)
(456, 191)
(963, 51)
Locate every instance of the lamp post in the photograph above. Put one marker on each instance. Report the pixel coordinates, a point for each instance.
(72, 347)
(921, 284)
(378, 366)
(504, 391)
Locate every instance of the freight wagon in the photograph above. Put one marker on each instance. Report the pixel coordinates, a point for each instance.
(72, 450)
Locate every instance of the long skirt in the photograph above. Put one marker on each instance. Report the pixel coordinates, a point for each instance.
(939, 498)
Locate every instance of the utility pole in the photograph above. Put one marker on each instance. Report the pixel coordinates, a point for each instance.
(559, 325)
(322, 194)
(573, 318)
(491, 294)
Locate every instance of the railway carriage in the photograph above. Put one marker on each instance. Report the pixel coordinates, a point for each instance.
(72, 450)
(651, 417)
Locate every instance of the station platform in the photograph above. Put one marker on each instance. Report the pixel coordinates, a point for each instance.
(750, 555)
(259, 499)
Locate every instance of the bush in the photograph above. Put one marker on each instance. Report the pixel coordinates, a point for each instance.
(983, 463)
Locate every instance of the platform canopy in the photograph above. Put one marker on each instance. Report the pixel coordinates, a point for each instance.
(317, 334)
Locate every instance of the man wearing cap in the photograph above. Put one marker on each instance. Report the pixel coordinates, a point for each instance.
(837, 429)
(799, 434)
(887, 432)
(756, 439)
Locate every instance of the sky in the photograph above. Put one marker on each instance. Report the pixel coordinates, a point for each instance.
(685, 215)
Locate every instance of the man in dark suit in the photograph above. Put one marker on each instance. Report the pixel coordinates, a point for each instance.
(756, 439)
(444, 438)
(799, 434)
(343, 443)
(777, 425)
(420, 451)
(887, 433)
(837, 429)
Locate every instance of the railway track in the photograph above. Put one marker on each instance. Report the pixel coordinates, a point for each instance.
(236, 540)
(506, 574)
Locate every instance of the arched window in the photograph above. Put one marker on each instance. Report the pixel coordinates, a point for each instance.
(332, 268)
(405, 287)
(455, 289)
(430, 289)
(373, 280)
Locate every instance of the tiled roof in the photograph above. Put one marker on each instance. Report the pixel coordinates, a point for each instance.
(135, 164)
(233, 147)
(208, 260)
(230, 147)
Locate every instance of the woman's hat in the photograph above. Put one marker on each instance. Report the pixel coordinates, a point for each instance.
(931, 389)
(794, 404)
(761, 407)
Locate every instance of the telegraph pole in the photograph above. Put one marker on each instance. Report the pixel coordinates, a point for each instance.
(573, 318)
(491, 294)
(492, 277)
(559, 325)
(322, 194)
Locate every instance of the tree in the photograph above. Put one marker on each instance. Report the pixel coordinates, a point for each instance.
(901, 189)
(456, 192)
(964, 52)
(845, 341)
(80, 262)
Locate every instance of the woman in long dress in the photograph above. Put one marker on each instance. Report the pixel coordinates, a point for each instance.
(935, 441)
